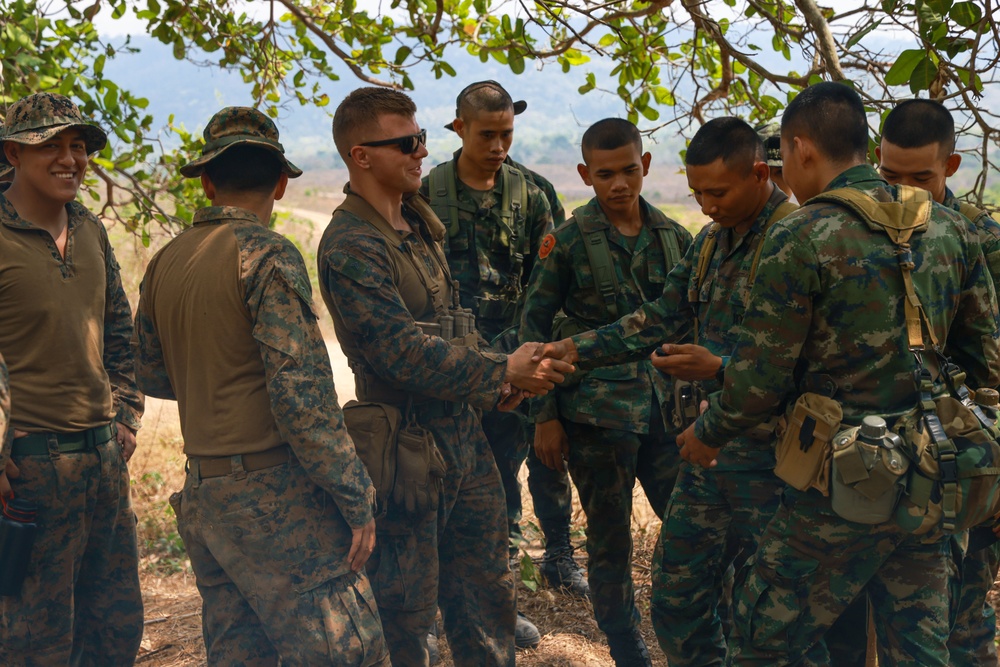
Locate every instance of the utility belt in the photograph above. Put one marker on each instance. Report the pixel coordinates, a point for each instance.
(207, 467)
(37, 444)
(936, 467)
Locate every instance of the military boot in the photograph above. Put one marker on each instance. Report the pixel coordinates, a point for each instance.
(526, 635)
(559, 568)
(432, 645)
(628, 649)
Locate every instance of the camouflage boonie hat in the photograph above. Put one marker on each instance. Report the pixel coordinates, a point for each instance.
(519, 106)
(770, 134)
(4, 168)
(39, 117)
(239, 126)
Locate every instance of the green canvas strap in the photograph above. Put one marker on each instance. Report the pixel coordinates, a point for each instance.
(444, 196)
(970, 211)
(671, 249)
(782, 210)
(599, 256)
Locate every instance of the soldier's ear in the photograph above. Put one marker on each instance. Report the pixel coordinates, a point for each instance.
(359, 156)
(12, 151)
(647, 157)
(207, 185)
(951, 164)
(584, 172)
(279, 188)
(761, 172)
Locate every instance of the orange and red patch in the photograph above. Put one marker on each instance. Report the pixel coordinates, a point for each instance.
(548, 243)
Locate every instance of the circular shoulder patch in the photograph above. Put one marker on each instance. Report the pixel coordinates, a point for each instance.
(548, 243)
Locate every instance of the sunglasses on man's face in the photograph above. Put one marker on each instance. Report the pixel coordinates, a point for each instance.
(407, 145)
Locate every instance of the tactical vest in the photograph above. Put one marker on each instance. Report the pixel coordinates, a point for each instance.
(783, 210)
(953, 482)
(971, 212)
(603, 268)
(442, 316)
(443, 188)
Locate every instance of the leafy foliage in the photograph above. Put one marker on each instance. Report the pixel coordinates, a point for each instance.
(676, 62)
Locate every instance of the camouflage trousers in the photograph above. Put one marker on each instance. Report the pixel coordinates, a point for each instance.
(714, 521)
(273, 585)
(811, 564)
(511, 437)
(456, 560)
(80, 604)
(604, 464)
(974, 627)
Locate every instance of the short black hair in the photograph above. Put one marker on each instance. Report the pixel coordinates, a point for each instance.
(917, 123)
(728, 138)
(484, 98)
(244, 169)
(609, 134)
(832, 115)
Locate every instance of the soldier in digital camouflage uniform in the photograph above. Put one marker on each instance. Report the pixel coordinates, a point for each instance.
(382, 270)
(612, 425)
(64, 328)
(468, 195)
(276, 511)
(918, 149)
(818, 320)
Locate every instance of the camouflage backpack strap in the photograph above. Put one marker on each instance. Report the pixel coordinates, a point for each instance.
(513, 200)
(970, 211)
(443, 190)
(671, 248)
(599, 256)
(899, 220)
(701, 270)
(783, 210)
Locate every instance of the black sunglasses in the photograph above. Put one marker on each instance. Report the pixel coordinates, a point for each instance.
(407, 145)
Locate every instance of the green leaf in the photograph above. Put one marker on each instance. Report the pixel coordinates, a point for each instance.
(607, 41)
(901, 70)
(516, 62)
(649, 112)
(923, 75)
(966, 14)
(402, 54)
(861, 34)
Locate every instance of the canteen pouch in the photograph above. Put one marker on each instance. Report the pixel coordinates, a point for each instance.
(949, 487)
(374, 428)
(803, 451)
(419, 473)
(866, 480)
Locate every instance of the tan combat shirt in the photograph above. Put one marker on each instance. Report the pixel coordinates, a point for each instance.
(65, 326)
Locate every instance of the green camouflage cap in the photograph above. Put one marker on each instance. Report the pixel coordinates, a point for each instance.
(770, 134)
(519, 106)
(236, 126)
(39, 117)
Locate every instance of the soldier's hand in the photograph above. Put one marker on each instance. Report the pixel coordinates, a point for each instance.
(10, 472)
(536, 376)
(564, 349)
(362, 545)
(687, 362)
(126, 439)
(694, 451)
(510, 398)
(551, 444)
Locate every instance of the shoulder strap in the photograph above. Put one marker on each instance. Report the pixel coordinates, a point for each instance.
(899, 229)
(671, 249)
(704, 259)
(444, 195)
(783, 210)
(969, 211)
(599, 256)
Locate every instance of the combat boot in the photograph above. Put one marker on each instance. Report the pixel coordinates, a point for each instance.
(432, 645)
(559, 568)
(628, 649)
(526, 635)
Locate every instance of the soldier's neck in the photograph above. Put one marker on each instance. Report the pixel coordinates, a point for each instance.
(628, 223)
(261, 206)
(386, 200)
(473, 176)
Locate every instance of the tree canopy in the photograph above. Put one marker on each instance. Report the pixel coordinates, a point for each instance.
(675, 62)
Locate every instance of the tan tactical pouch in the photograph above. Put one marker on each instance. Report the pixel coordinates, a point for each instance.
(374, 428)
(803, 452)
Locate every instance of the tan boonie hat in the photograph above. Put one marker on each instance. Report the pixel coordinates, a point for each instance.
(519, 106)
(239, 126)
(39, 117)
(770, 134)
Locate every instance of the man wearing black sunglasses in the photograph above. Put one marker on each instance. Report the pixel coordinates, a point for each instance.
(386, 282)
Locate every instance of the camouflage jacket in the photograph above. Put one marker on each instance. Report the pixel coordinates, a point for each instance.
(621, 396)
(479, 254)
(827, 310)
(989, 237)
(718, 309)
(278, 321)
(372, 318)
(549, 190)
(48, 329)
